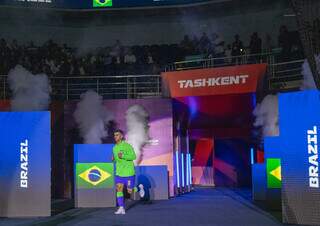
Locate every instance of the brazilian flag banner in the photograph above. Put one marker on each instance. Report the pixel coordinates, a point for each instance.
(274, 173)
(94, 175)
(101, 3)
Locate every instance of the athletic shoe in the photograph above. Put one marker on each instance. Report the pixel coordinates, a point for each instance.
(121, 210)
(141, 191)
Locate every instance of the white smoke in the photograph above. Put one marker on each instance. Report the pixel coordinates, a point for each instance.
(138, 129)
(92, 117)
(29, 92)
(267, 115)
(308, 80)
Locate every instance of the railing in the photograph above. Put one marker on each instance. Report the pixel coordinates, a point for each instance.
(267, 58)
(110, 87)
(280, 76)
(285, 76)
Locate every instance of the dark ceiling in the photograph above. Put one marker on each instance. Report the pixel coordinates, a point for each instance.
(217, 9)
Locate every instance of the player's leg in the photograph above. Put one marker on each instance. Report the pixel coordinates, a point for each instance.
(131, 188)
(141, 191)
(120, 198)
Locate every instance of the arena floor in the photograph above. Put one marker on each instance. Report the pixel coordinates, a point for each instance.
(202, 207)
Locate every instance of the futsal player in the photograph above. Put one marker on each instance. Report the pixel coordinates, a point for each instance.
(123, 156)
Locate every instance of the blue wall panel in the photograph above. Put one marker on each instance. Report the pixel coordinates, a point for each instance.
(25, 164)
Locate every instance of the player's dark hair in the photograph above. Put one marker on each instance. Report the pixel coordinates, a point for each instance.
(118, 131)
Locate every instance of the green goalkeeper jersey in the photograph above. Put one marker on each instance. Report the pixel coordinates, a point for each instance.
(125, 165)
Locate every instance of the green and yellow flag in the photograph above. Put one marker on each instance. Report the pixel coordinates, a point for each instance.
(94, 175)
(102, 3)
(274, 173)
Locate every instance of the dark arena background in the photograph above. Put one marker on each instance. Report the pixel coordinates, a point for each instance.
(218, 98)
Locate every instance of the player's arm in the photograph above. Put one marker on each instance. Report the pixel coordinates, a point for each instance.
(129, 154)
(113, 158)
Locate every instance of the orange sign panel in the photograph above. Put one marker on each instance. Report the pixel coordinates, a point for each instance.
(214, 81)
